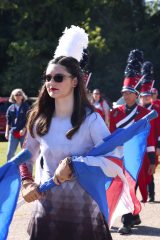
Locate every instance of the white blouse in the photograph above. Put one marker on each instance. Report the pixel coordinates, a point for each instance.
(55, 146)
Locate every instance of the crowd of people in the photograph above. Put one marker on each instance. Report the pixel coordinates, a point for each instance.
(64, 123)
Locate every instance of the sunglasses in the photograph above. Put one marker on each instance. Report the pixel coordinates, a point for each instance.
(18, 94)
(57, 78)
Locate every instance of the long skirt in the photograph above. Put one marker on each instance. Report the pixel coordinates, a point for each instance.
(67, 212)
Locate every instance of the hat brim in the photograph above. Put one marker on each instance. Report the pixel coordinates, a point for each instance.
(128, 89)
(145, 94)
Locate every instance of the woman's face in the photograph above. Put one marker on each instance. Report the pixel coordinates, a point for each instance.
(129, 97)
(96, 95)
(18, 97)
(145, 99)
(59, 82)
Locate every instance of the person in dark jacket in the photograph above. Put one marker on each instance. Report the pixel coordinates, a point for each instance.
(16, 117)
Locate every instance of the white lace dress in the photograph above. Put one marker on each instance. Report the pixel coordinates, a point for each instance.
(67, 212)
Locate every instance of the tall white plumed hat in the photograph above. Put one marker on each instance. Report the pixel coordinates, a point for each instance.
(72, 43)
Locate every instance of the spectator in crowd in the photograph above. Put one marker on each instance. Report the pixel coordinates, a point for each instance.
(16, 117)
(100, 104)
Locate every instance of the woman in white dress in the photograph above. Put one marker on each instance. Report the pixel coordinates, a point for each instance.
(62, 124)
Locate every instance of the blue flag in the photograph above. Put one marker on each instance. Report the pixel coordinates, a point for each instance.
(93, 177)
(113, 195)
(10, 183)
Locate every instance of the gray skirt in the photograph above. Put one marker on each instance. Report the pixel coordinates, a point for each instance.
(67, 212)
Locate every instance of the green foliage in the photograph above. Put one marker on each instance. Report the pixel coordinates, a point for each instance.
(25, 69)
(30, 31)
(152, 8)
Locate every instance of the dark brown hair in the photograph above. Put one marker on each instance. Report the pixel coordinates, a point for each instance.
(44, 107)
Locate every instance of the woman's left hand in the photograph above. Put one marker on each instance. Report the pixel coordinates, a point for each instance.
(63, 171)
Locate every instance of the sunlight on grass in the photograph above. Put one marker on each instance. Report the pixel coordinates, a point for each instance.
(3, 152)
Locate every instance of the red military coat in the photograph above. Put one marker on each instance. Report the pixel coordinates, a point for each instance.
(119, 119)
(156, 126)
(156, 103)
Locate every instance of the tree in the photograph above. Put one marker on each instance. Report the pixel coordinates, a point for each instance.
(29, 37)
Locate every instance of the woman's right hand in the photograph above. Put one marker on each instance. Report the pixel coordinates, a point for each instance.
(29, 191)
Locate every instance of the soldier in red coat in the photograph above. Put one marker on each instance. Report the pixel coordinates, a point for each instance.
(122, 117)
(146, 101)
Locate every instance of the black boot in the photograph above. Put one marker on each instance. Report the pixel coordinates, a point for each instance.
(126, 227)
(136, 220)
(151, 199)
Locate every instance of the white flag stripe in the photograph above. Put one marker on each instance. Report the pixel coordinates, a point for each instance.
(125, 205)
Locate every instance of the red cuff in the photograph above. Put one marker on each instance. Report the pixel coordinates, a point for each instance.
(24, 172)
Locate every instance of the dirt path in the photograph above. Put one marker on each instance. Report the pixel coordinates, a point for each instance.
(148, 230)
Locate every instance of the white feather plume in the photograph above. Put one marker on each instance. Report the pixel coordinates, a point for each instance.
(72, 43)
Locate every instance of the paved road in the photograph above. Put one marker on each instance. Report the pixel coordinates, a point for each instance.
(148, 230)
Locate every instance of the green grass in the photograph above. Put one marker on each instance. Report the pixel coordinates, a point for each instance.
(3, 152)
